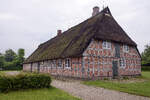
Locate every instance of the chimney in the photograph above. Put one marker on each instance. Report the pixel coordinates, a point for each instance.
(58, 32)
(95, 10)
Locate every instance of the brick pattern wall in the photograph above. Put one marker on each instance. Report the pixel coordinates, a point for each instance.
(98, 61)
(95, 63)
(48, 67)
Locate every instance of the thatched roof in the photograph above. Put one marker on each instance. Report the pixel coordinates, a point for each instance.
(74, 41)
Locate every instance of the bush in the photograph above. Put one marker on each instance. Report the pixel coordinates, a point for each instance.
(24, 81)
(14, 65)
(145, 68)
(125, 77)
(12, 68)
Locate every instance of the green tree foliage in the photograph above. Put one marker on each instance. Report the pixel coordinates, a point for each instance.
(21, 54)
(10, 55)
(2, 60)
(20, 58)
(12, 61)
(146, 55)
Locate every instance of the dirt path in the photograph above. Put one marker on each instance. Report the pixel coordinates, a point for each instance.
(84, 92)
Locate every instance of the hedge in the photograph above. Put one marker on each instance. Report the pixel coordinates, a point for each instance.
(11, 68)
(24, 81)
(145, 68)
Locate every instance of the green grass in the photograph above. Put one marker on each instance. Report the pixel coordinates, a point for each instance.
(2, 72)
(40, 94)
(138, 88)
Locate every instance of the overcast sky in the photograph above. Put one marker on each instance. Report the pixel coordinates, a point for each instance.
(28, 23)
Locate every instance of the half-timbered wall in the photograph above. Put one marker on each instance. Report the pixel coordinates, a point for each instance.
(98, 61)
(52, 67)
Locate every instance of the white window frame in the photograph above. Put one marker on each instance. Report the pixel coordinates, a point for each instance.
(49, 63)
(59, 63)
(122, 63)
(126, 48)
(68, 63)
(53, 63)
(42, 63)
(106, 45)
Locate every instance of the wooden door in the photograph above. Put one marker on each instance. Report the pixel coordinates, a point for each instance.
(115, 68)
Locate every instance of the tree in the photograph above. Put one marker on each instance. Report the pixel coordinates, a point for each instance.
(21, 54)
(12, 61)
(20, 57)
(146, 55)
(2, 60)
(10, 55)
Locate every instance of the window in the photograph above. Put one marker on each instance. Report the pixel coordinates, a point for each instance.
(46, 64)
(67, 63)
(106, 45)
(54, 63)
(50, 63)
(122, 63)
(59, 63)
(125, 48)
(42, 63)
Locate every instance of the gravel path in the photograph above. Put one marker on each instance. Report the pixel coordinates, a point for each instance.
(84, 92)
(12, 72)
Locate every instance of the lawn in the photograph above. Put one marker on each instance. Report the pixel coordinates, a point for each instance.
(138, 87)
(36, 94)
(40, 94)
(2, 72)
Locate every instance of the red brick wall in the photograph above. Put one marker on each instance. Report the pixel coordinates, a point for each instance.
(96, 62)
(46, 67)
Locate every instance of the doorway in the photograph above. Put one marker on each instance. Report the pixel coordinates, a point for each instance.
(115, 68)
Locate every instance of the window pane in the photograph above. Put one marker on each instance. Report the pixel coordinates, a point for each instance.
(108, 45)
(122, 63)
(126, 48)
(104, 44)
(68, 63)
(59, 63)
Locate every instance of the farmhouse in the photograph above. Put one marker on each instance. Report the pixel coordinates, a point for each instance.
(95, 48)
